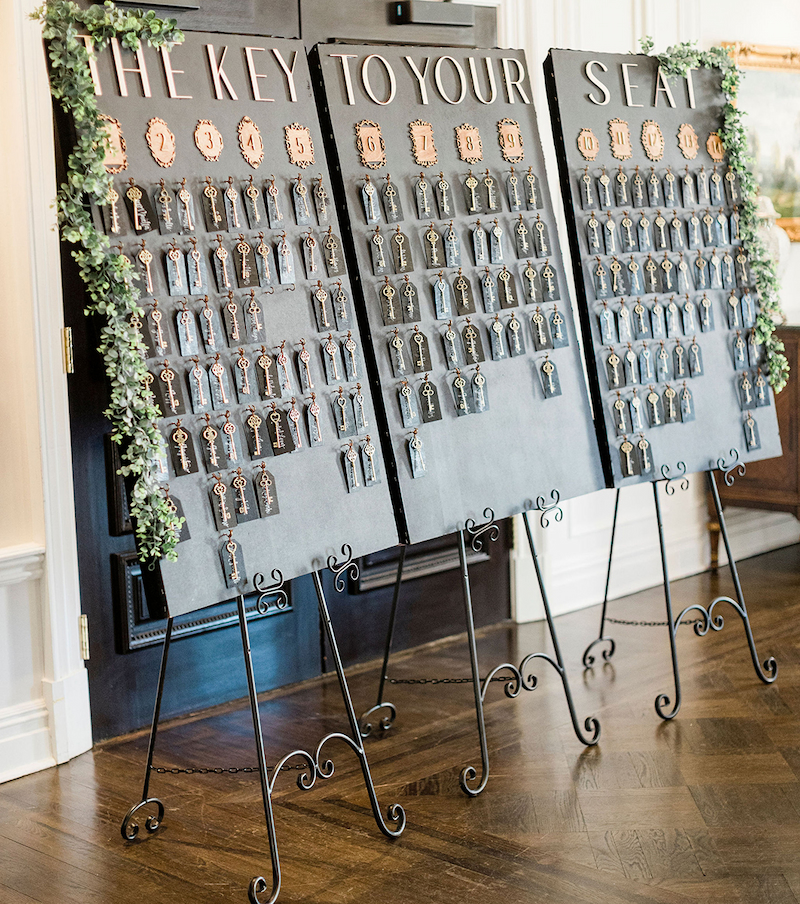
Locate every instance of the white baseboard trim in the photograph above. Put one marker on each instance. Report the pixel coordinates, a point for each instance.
(24, 740)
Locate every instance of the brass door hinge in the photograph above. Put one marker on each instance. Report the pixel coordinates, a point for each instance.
(66, 341)
(84, 623)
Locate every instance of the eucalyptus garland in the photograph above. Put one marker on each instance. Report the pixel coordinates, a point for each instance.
(107, 274)
(676, 61)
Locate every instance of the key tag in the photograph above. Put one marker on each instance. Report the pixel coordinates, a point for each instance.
(473, 345)
(668, 275)
(433, 247)
(300, 200)
(157, 334)
(540, 330)
(416, 455)
(293, 417)
(409, 410)
(255, 324)
(442, 301)
(398, 354)
(645, 363)
(222, 504)
(593, 240)
(175, 506)
(284, 371)
(230, 442)
(627, 235)
(233, 319)
(755, 349)
(604, 191)
(304, 367)
(266, 492)
(663, 368)
(320, 301)
(465, 301)
(747, 398)
(172, 398)
(762, 390)
(332, 254)
(197, 272)
(390, 303)
(689, 313)
(359, 409)
(734, 221)
(631, 366)
(558, 330)
(752, 438)
(213, 207)
(628, 459)
(401, 252)
(420, 352)
(490, 194)
(619, 285)
(676, 232)
(652, 276)
(352, 362)
(624, 323)
(453, 349)
(496, 244)
(256, 433)
(310, 255)
(687, 188)
(334, 371)
(369, 463)
(244, 263)
(452, 247)
(609, 235)
(514, 192)
(550, 382)
(181, 449)
(715, 270)
(341, 307)
(588, 200)
(541, 237)
(479, 244)
(233, 212)
(653, 189)
(497, 343)
(679, 365)
(657, 321)
(660, 235)
(163, 204)
(280, 436)
(491, 301)
(748, 309)
(515, 338)
(480, 394)
(638, 190)
(621, 416)
(614, 370)
(244, 499)
(721, 227)
(742, 269)
(186, 328)
(391, 201)
(267, 374)
(602, 286)
(430, 410)
(643, 234)
(223, 270)
(462, 394)
(313, 422)
(508, 288)
(274, 206)
(694, 238)
(321, 200)
(706, 314)
(213, 451)
(533, 197)
(422, 193)
(685, 284)
(533, 284)
(147, 272)
(253, 205)
(635, 412)
(654, 408)
(378, 253)
(140, 210)
(343, 415)
(716, 188)
(285, 257)
(728, 277)
(443, 198)
(673, 319)
(671, 406)
(645, 456)
(641, 321)
(473, 196)
(670, 195)
(621, 187)
(111, 213)
(695, 359)
(635, 277)
(187, 218)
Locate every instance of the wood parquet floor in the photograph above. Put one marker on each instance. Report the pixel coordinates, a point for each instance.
(703, 809)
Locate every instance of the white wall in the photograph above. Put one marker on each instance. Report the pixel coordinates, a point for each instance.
(574, 553)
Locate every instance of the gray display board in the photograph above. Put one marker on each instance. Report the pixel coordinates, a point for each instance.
(662, 281)
(203, 110)
(405, 115)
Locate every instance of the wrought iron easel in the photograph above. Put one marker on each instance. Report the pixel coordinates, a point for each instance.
(312, 765)
(707, 620)
(515, 678)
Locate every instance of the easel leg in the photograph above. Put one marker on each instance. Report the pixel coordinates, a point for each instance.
(259, 885)
(469, 773)
(588, 657)
(663, 700)
(395, 812)
(130, 828)
(770, 671)
(590, 723)
(388, 720)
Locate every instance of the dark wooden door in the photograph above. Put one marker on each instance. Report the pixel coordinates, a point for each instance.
(206, 659)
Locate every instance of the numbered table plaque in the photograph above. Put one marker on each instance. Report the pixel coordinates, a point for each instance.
(666, 296)
(461, 281)
(223, 203)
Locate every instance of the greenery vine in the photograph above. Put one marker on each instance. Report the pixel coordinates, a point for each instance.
(676, 61)
(107, 274)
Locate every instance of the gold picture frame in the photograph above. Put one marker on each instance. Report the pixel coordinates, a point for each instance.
(766, 58)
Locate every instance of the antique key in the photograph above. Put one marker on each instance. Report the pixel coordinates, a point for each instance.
(540, 229)
(164, 199)
(210, 191)
(341, 402)
(314, 411)
(233, 309)
(311, 258)
(302, 193)
(460, 385)
(369, 451)
(167, 376)
(221, 491)
(218, 370)
(605, 181)
(279, 439)
(330, 244)
(330, 349)
(444, 197)
(508, 294)
(254, 422)
(399, 239)
(388, 292)
(638, 188)
(424, 203)
(186, 199)
(113, 199)
(652, 401)
(322, 199)
(232, 548)
(614, 363)
(472, 184)
(265, 362)
(264, 483)
(210, 434)
(397, 344)
(377, 241)
(514, 328)
(134, 195)
(157, 317)
(185, 319)
(145, 259)
(669, 395)
(252, 194)
(428, 392)
(548, 368)
(622, 186)
(417, 459)
(532, 201)
(239, 482)
(294, 416)
(233, 196)
(360, 408)
(254, 310)
(513, 185)
(283, 362)
(222, 256)
(196, 257)
(262, 250)
(619, 408)
(390, 193)
(351, 347)
(352, 458)
(491, 194)
(272, 189)
(643, 447)
(433, 238)
(180, 437)
(243, 363)
(538, 324)
(229, 429)
(626, 448)
(244, 252)
(587, 182)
